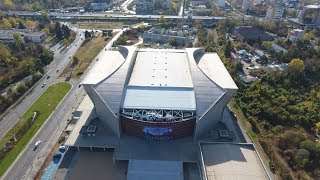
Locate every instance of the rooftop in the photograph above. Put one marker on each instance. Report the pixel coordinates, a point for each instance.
(159, 98)
(161, 68)
(232, 161)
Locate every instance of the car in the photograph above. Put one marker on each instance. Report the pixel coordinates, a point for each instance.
(43, 85)
(37, 144)
(48, 77)
(97, 59)
(62, 147)
(57, 70)
(69, 56)
(76, 44)
(57, 155)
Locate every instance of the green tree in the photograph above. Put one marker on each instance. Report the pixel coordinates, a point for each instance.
(162, 20)
(318, 127)
(171, 41)
(228, 49)
(58, 31)
(19, 42)
(296, 66)
(66, 42)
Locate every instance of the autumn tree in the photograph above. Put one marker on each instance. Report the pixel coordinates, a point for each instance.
(296, 66)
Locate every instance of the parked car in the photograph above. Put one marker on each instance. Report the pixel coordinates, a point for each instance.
(57, 155)
(43, 85)
(62, 147)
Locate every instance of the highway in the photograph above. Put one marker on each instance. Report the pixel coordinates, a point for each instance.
(76, 15)
(61, 60)
(29, 162)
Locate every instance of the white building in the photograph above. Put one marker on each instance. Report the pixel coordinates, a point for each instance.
(295, 35)
(247, 5)
(274, 14)
(221, 3)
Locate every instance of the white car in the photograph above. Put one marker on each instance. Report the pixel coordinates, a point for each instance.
(62, 147)
(37, 144)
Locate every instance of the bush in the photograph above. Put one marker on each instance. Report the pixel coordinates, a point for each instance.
(79, 73)
(61, 139)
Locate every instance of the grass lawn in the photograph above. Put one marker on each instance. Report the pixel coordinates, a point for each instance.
(86, 53)
(45, 105)
(99, 25)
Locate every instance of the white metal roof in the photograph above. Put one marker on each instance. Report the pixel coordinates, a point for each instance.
(107, 64)
(212, 66)
(167, 98)
(160, 67)
(155, 170)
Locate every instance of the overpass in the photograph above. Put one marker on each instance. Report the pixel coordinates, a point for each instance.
(101, 16)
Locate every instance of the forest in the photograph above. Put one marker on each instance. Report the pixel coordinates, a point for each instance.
(282, 107)
(22, 61)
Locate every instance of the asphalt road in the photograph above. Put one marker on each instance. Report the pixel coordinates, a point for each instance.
(72, 15)
(27, 164)
(60, 61)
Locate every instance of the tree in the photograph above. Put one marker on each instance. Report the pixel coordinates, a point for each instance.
(31, 24)
(45, 17)
(8, 4)
(171, 41)
(18, 41)
(6, 23)
(264, 60)
(66, 42)
(318, 127)
(296, 66)
(162, 20)
(58, 31)
(228, 49)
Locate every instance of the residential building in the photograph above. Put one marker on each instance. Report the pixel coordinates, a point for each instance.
(33, 36)
(249, 33)
(161, 35)
(143, 6)
(295, 35)
(274, 13)
(221, 3)
(99, 6)
(310, 15)
(247, 5)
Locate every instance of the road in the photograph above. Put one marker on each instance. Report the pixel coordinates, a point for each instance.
(97, 16)
(29, 162)
(60, 61)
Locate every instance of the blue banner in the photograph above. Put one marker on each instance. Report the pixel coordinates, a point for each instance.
(158, 133)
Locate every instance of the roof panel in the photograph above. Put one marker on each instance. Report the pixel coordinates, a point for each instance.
(213, 67)
(166, 98)
(207, 92)
(161, 68)
(111, 88)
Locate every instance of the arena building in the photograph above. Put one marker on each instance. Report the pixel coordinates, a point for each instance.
(163, 114)
(160, 93)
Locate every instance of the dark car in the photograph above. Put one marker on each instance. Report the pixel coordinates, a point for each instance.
(58, 155)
